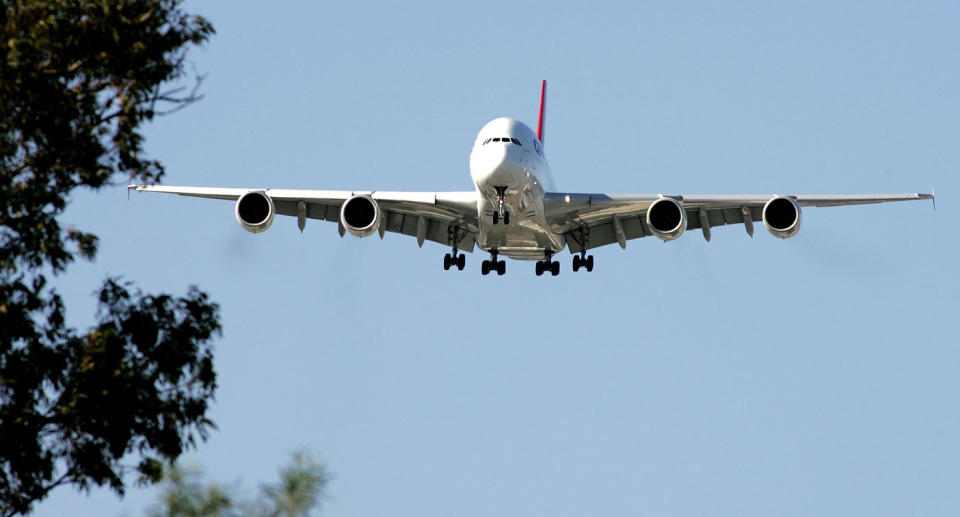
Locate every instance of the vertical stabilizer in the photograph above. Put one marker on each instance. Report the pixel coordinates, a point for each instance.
(543, 109)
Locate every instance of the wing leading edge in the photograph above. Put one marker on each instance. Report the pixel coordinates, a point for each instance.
(429, 216)
(592, 220)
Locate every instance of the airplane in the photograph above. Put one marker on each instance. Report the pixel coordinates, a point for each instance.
(516, 210)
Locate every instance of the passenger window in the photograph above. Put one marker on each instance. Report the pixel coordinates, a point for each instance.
(496, 139)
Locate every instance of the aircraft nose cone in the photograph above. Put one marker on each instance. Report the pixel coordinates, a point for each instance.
(505, 164)
(497, 164)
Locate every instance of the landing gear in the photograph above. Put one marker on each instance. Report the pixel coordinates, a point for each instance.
(455, 259)
(493, 264)
(582, 260)
(548, 264)
(501, 213)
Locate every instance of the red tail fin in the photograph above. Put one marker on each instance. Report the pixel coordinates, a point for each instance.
(543, 109)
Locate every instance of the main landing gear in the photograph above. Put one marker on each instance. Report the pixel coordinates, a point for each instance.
(548, 264)
(501, 213)
(493, 264)
(455, 259)
(582, 260)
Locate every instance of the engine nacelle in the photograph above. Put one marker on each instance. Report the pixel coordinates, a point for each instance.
(255, 211)
(667, 218)
(360, 215)
(781, 215)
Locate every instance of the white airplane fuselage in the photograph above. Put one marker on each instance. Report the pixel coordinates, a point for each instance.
(508, 156)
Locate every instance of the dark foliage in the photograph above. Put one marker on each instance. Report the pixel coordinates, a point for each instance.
(78, 78)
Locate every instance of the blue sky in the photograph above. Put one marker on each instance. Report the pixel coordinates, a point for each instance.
(809, 376)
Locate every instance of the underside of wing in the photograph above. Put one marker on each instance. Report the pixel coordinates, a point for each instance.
(592, 220)
(443, 217)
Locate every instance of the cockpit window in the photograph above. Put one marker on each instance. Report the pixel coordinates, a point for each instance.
(504, 139)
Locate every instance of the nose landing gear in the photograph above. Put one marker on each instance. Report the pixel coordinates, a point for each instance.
(501, 213)
(493, 264)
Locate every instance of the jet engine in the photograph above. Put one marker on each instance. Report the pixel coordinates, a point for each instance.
(781, 215)
(667, 218)
(360, 215)
(255, 211)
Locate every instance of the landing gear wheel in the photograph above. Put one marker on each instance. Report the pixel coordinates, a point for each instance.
(539, 267)
(496, 217)
(554, 268)
(506, 218)
(585, 262)
(446, 262)
(461, 261)
(493, 265)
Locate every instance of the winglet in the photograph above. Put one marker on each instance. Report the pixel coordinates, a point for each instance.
(543, 108)
(933, 197)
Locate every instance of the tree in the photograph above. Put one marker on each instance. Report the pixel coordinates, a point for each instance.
(184, 496)
(302, 487)
(78, 79)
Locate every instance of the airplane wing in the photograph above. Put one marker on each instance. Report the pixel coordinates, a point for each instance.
(432, 216)
(592, 220)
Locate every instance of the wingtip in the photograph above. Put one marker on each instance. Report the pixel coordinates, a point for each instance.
(132, 187)
(933, 198)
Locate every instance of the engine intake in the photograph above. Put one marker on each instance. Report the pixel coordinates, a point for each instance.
(255, 211)
(667, 218)
(781, 215)
(360, 215)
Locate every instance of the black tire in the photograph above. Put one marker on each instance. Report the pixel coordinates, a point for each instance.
(539, 268)
(501, 267)
(496, 217)
(590, 263)
(506, 218)
(485, 267)
(446, 262)
(576, 263)
(554, 268)
(461, 261)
